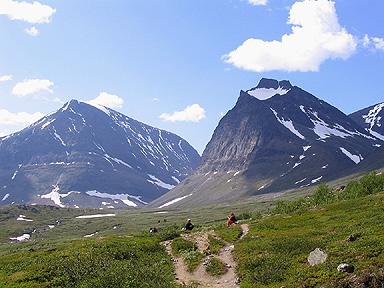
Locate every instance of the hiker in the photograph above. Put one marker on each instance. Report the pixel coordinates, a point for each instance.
(153, 230)
(189, 226)
(231, 219)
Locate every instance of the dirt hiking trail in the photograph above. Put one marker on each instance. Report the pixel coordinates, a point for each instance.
(200, 278)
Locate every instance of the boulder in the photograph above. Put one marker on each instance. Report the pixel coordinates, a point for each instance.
(344, 267)
(316, 257)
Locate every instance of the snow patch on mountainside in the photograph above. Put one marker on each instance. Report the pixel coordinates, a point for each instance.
(160, 183)
(95, 216)
(122, 197)
(354, 158)
(316, 180)
(176, 180)
(90, 235)
(377, 135)
(55, 196)
(22, 218)
(372, 117)
(174, 201)
(116, 160)
(300, 181)
(266, 93)
(305, 148)
(288, 124)
(21, 238)
(47, 123)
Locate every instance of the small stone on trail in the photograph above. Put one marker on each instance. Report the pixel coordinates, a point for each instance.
(344, 267)
(316, 257)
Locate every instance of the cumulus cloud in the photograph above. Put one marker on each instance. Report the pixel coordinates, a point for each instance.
(192, 113)
(107, 100)
(11, 122)
(4, 78)
(32, 31)
(5, 132)
(258, 2)
(373, 42)
(35, 12)
(316, 36)
(18, 118)
(32, 86)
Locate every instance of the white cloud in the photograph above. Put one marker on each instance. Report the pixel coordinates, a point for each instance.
(18, 118)
(4, 78)
(378, 42)
(258, 2)
(5, 132)
(33, 31)
(107, 100)
(35, 12)
(316, 37)
(366, 41)
(32, 86)
(192, 113)
(11, 122)
(373, 42)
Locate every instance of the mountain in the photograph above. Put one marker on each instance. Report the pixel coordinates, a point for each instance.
(277, 137)
(87, 156)
(371, 119)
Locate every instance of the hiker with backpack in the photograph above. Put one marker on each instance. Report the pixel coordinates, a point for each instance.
(189, 226)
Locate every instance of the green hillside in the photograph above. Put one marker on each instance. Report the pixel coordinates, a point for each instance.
(273, 254)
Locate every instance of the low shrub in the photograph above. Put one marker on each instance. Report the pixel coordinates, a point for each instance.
(180, 245)
(215, 244)
(215, 267)
(229, 234)
(168, 233)
(367, 185)
(192, 259)
(323, 195)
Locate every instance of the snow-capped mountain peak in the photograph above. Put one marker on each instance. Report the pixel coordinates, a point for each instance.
(268, 88)
(291, 139)
(85, 148)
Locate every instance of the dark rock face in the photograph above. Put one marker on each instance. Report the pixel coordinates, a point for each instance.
(86, 156)
(277, 137)
(285, 137)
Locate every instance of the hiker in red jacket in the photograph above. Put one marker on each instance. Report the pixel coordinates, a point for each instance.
(231, 219)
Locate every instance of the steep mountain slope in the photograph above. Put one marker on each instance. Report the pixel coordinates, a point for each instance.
(277, 137)
(371, 119)
(86, 156)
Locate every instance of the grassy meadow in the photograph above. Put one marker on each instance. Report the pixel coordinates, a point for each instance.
(121, 253)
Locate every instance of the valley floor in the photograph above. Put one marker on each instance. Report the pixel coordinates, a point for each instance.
(272, 254)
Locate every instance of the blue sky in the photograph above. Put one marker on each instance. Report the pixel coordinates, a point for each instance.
(152, 58)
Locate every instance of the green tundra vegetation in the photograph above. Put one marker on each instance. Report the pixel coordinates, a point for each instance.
(215, 267)
(273, 254)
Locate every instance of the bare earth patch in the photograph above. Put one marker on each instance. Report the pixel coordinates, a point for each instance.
(200, 276)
